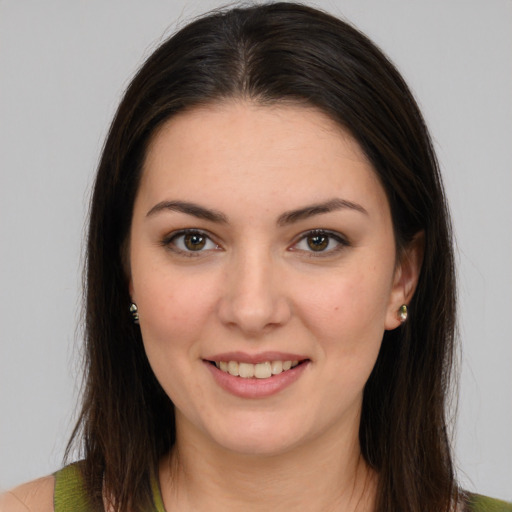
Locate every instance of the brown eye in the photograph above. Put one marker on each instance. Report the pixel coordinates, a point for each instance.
(190, 243)
(318, 242)
(194, 241)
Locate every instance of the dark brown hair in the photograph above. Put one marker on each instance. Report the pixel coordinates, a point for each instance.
(271, 53)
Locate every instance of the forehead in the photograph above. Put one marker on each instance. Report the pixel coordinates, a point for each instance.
(287, 152)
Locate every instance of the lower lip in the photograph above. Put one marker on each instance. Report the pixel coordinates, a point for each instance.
(256, 388)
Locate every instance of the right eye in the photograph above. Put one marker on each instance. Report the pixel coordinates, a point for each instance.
(190, 242)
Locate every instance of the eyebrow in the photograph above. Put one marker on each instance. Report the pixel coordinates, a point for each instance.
(316, 209)
(190, 209)
(285, 218)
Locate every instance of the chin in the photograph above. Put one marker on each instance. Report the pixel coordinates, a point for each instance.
(257, 438)
(258, 446)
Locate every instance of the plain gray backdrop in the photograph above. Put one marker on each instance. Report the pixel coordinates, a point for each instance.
(63, 67)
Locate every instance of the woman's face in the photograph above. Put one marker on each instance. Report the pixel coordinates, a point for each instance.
(261, 238)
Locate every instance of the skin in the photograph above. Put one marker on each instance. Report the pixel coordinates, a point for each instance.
(257, 286)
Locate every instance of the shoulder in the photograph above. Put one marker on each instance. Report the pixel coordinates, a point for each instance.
(479, 503)
(35, 496)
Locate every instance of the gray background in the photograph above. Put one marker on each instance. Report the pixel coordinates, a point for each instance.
(63, 67)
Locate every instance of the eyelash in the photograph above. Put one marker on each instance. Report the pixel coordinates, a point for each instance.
(170, 242)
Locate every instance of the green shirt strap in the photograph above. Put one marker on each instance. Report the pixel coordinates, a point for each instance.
(157, 494)
(478, 503)
(70, 494)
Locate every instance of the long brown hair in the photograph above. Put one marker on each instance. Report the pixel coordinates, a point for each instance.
(271, 53)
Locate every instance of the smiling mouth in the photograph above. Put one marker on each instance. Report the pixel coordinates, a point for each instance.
(263, 370)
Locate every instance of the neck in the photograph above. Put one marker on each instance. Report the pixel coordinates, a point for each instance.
(326, 475)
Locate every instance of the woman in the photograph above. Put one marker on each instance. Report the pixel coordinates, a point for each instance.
(270, 288)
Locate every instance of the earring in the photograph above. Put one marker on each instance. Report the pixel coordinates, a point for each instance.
(402, 313)
(135, 312)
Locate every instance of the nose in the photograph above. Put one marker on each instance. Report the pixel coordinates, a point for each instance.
(253, 298)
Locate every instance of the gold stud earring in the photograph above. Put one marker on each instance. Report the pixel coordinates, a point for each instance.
(402, 313)
(135, 312)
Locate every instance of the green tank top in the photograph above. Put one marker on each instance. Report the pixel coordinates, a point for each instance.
(70, 495)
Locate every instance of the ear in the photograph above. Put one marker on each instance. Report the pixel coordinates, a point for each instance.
(405, 279)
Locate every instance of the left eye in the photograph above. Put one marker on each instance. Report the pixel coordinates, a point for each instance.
(193, 241)
(320, 242)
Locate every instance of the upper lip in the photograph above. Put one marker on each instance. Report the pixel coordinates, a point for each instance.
(261, 357)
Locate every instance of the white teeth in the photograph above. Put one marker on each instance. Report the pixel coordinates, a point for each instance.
(245, 370)
(259, 370)
(262, 370)
(277, 367)
(233, 368)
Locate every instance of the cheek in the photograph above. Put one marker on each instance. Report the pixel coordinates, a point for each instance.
(174, 316)
(173, 311)
(347, 310)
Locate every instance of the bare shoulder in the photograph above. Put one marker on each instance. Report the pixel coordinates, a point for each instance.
(35, 496)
